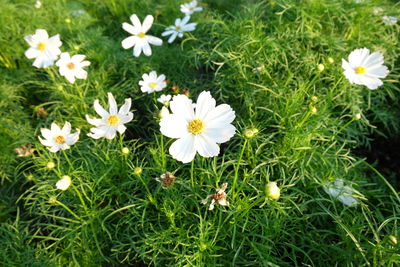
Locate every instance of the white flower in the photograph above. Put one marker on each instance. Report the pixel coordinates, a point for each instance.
(198, 129)
(163, 112)
(164, 99)
(64, 183)
(71, 67)
(151, 82)
(140, 40)
(112, 121)
(180, 27)
(219, 197)
(45, 50)
(365, 68)
(189, 8)
(56, 138)
(377, 10)
(38, 4)
(343, 193)
(389, 20)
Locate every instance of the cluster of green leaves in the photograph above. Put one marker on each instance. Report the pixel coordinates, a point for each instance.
(261, 58)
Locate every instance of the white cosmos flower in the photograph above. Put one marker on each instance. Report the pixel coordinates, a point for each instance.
(364, 68)
(389, 20)
(112, 121)
(189, 8)
(151, 82)
(164, 99)
(180, 27)
(56, 138)
(218, 198)
(198, 129)
(72, 67)
(140, 40)
(45, 50)
(63, 183)
(343, 193)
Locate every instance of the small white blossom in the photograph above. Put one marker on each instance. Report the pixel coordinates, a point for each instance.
(64, 183)
(72, 67)
(43, 49)
(189, 8)
(112, 121)
(164, 99)
(38, 4)
(218, 198)
(163, 112)
(56, 138)
(198, 129)
(377, 10)
(152, 83)
(343, 193)
(140, 40)
(364, 68)
(181, 26)
(389, 20)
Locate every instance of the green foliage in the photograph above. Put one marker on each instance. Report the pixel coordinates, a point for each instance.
(261, 58)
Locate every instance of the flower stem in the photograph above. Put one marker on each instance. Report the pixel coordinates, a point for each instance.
(192, 172)
(67, 159)
(237, 168)
(68, 209)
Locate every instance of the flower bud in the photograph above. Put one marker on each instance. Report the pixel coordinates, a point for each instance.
(320, 67)
(313, 110)
(393, 240)
(272, 190)
(67, 20)
(125, 150)
(331, 60)
(138, 171)
(50, 165)
(314, 99)
(357, 116)
(52, 199)
(250, 133)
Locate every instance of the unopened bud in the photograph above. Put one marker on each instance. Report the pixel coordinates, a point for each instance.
(138, 171)
(250, 133)
(125, 150)
(272, 190)
(50, 165)
(393, 240)
(331, 60)
(357, 116)
(321, 67)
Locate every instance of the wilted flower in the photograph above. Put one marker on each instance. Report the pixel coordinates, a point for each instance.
(186, 92)
(64, 183)
(364, 68)
(56, 138)
(189, 8)
(42, 112)
(389, 20)
(152, 83)
(219, 197)
(24, 151)
(343, 193)
(198, 129)
(71, 67)
(175, 88)
(180, 27)
(140, 40)
(45, 50)
(164, 99)
(111, 121)
(272, 190)
(167, 179)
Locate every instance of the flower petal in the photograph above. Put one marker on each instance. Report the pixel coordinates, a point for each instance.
(112, 104)
(173, 126)
(221, 115)
(99, 109)
(129, 42)
(183, 149)
(206, 147)
(204, 105)
(182, 106)
(125, 107)
(148, 21)
(221, 134)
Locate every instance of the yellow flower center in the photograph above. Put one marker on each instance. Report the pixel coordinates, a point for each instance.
(141, 34)
(360, 70)
(71, 66)
(196, 126)
(41, 46)
(112, 120)
(153, 85)
(59, 139)
(178, 27)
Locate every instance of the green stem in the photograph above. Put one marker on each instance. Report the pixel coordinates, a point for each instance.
(237, 168)
(192, 173)
(80, 197)
(150, 196)
(162, 153)
(67, 159)
(70, 211)
(341, 129)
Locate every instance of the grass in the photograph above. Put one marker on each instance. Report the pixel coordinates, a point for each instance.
(261, 58)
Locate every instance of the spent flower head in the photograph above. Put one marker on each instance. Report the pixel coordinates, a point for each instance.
(218, 198)
(199, 129)
(140, 41)
(72, 67)
(57, 138)
(111, 121)
(43, 49)
(364, 68)
(167, 179)
(24, 151)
